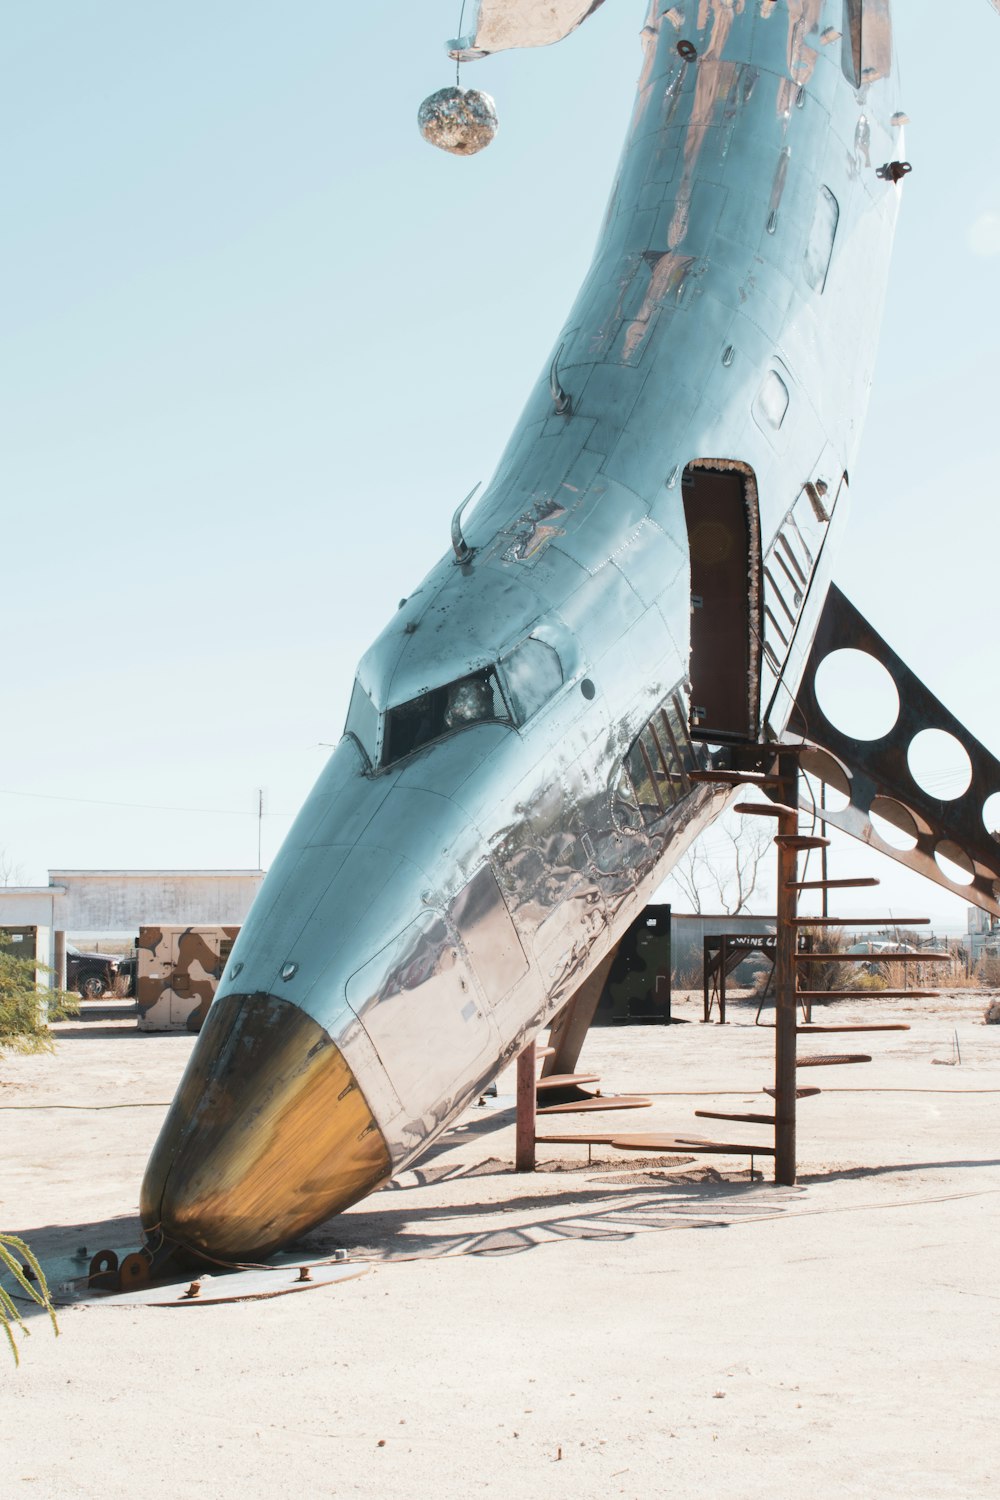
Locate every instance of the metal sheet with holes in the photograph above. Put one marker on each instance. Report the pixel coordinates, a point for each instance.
(881, 778)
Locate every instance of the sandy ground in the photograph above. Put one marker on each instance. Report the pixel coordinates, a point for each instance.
(619, 1329)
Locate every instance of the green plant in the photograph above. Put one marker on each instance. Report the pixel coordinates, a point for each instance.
(16, 1258)
(23, 1002)
(874, 979)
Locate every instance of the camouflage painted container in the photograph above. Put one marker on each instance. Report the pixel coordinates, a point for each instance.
(178, 972)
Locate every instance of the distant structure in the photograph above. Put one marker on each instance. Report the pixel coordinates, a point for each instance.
(99, 902)
(983, 937)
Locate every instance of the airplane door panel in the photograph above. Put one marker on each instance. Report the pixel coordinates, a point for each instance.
(720, 509)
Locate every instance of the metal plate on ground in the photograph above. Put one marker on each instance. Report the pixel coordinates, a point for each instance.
(237, 1286)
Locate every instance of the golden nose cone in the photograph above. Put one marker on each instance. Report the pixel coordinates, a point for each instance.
(268, 1135)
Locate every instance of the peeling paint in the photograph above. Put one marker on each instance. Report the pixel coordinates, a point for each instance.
(667, 277)
(715, 81)
(803, 19)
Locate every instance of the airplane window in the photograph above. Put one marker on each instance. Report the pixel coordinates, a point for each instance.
(819, 250)
(533, 673)
(475, 699)
(362, 721)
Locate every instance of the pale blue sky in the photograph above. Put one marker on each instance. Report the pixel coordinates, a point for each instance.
(259, 339)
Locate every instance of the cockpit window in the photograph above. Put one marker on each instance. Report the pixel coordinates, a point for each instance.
(533, 674)
(362, 721)
(475, 699)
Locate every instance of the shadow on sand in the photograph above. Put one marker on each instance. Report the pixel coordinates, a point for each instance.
(602, 1210)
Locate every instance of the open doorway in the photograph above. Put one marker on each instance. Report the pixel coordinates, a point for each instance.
(720, 509)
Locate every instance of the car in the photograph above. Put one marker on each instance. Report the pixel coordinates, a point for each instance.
(92, 974)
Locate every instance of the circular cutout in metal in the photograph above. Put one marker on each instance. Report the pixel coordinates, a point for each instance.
(953, 862)
(857, 694)
(822, 767)
(991, 816)
(894, 823)
(939, 764)
(587, 688)
(687, 50)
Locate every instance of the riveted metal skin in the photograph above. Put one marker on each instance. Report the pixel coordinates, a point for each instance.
(442, 905)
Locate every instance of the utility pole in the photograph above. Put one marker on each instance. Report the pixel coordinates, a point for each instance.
(260, 819)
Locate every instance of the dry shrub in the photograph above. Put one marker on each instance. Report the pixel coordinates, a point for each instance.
(690, 978)
(831, 976)
(988, 971)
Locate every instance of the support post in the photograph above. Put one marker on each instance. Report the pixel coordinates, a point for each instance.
(568, 1031)
(524, 1150)
(59, 959)
(786, 1017)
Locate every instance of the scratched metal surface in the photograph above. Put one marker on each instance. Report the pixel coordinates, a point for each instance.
(730, 314)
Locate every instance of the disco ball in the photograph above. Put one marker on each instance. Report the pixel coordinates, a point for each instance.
(462, 122)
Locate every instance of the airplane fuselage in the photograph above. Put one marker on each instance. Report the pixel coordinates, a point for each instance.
(641, 579)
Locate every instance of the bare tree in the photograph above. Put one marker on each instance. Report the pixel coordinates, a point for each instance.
(722, 868)
(10, 873)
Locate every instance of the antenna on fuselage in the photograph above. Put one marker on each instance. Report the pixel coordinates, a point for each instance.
(562, 403)
(463, 552)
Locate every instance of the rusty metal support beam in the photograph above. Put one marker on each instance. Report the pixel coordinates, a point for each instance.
(785, 1012)
(569, 1029)
(524, 1149)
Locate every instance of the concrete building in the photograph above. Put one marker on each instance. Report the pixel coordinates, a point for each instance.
(101, 902)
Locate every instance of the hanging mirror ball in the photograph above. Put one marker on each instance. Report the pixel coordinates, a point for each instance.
(457, 120)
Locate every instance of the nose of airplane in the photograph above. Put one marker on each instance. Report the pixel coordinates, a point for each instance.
(268, 1135)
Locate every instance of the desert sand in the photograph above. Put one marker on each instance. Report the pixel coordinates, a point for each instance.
(626, 1327)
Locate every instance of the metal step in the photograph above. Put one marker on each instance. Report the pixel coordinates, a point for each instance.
(834, 1060)
(810, 1030)
(860, 922)
(597, 1139)
(810, 995)
(736, 778)
(886, 956)
(694, 1143)
(566, 1080)
(594, 1104)
(800, 841)
(766, 809)
(715, 1114)
(803, 1093)
(832, 885)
